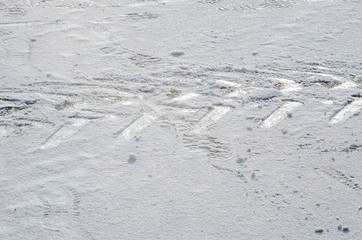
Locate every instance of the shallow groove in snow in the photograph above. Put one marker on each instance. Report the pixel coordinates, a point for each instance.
(211, 118)
(63, 133)
(280, 114)
(138, 125)
(348, 111)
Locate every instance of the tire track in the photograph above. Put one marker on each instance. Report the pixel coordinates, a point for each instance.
(211, 118)
(280, 114)
(347, 112)
(213, 147)
(195, 134)
(287, 85)
(333, 81)
(63, 133)
(256, 5)
(345, 179)
(185, 97)
(136, 126)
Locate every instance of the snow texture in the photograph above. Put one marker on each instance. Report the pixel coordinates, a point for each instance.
(180, 119)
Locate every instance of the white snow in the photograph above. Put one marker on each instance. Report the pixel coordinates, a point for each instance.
(211, 118)
(347, 111)
(63, 133)
(180, 119)
(185, 97)
(138, 125)
(280, 114)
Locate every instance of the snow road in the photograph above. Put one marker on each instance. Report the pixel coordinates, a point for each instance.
(180, 119)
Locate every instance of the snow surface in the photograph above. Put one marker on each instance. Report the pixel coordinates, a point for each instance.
(180, 119)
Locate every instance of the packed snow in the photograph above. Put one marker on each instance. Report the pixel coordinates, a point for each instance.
(180, 119)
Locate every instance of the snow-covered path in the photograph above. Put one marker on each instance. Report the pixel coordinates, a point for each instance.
(180, 119)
